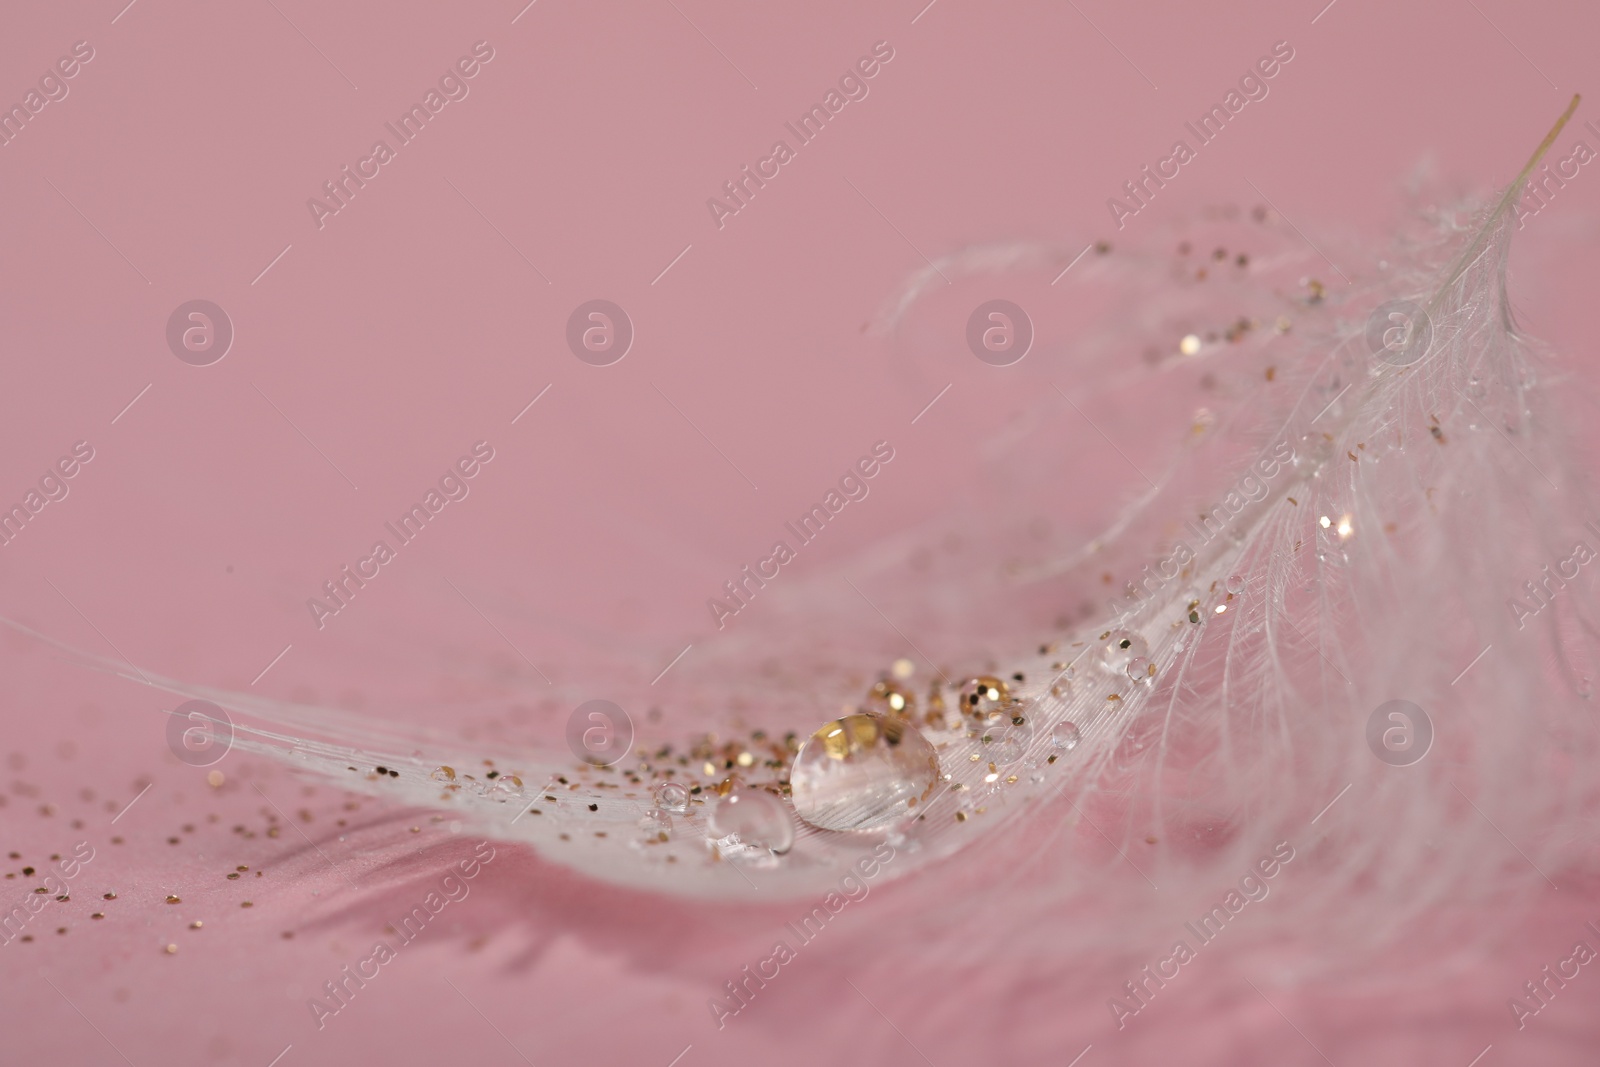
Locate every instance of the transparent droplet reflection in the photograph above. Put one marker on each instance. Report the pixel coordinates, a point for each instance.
(860, 772)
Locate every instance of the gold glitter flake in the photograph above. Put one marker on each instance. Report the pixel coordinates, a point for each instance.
(888, 697)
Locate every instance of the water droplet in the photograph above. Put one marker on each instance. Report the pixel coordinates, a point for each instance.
(1234, 584)
(1006, 746)
(670, 796)
(655, 821)
(754, 818)
(860, 772)
(1066, 736)
(1121, 648)
(984, 696)
(501, 787)
(510, 783)
(1141, 669)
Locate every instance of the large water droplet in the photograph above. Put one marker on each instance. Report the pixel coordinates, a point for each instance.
(1234, 584)
(1065, 736)
(1120, 649)
(860, 772)
(754, 818)
(670, 796)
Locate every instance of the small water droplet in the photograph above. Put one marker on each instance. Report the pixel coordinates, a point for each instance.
(508, 785)
(1006, 746)
(861, 771)
(1065, 736)
(984, 696)
(501, 787)
(1234, 584)
(754, 818)
(1120, 648)
(670, 796)
(1141, 669)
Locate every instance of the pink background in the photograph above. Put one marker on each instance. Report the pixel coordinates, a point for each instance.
(411, 326)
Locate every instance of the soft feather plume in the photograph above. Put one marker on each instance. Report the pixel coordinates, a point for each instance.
(1346, 528)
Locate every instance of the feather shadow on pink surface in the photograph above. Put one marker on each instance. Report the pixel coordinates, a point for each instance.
(1264, 748)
